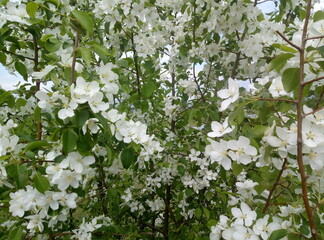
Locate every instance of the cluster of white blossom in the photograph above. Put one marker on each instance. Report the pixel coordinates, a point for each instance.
(202, 177)
(224, 152)
(8, 141)
(71, 171)
(84, 232)
(245, 225)
(37, 205)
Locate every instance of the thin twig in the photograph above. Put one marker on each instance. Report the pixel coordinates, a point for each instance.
(274, 186)
(313, 80)
(288, 41)
(36, 62)
(312, 38)
(277, 99)
(18, 55)
(137, 68)
(75, 49)
(320, 98)
(314, 111)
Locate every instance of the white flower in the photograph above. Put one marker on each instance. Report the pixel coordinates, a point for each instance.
(43, 73)
(65, 199)
(263, 228)
(242, 232)
(106, 74)
(312, 134)
(241, 150)
(35, 221)
(244, 215)
(83, 90)
(230, 94)
(276, 88)
(314, 156)
(217, 151)
(68, 108)
(220, 129)
(77, 162)
(67, 179)
(96, 103)
(285, 142)
(91, 125)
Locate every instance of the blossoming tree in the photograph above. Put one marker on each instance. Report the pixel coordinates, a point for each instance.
(161, 119)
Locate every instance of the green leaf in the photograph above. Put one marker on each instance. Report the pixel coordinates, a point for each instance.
(237, 168)
(69, 139)
(290, 79)
(52, 44)
(81, 117)
(280, 61)
(211, 223)
(20, 102)
(148, 89)
(16, 233)
(41, 183)
(84, 19)
(21, 68)
(237, 116)
(3, 58)
(127, 157)
(321, 50)
(206, 213)
(4, 97)
(19, 173)
(31, 9)
(278, 234)
(36, 145)
(198, 212)
(55, 2)
(86, 55)
(319, 15)
(284, 47)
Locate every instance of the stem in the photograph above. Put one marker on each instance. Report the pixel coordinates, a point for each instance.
(17, 55)
(300, 124)
(320, 98)
(274, 186)
(277, 99)
(314, 111)
(288, 41)
(313, 80)
(39, 124)
(75, 49)
(137, 69)
(166, 213)
(238, 55)
(311, 38)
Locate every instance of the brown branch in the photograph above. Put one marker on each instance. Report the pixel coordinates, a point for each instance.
(288, 41)
(238, 55)
(320, 98)
(274, 186)
(166, 213)
(17, 55)
(277, 99)
(299, 107)
(39, 124)
(75, 51)
(314, 111)
(313, 80)
(137, 68)
(312, 38)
